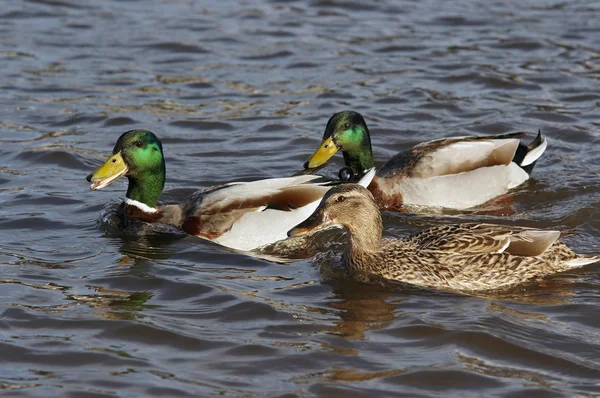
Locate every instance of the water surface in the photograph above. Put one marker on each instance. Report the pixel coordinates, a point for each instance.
(241, 91)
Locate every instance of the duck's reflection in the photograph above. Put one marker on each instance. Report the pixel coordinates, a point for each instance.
(361, 307)
(114, 304)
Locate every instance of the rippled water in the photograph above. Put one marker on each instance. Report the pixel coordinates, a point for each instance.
(240, 91)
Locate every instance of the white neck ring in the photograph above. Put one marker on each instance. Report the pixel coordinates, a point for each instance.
(143, 207)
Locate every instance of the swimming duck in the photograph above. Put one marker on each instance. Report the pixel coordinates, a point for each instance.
(239, 215)
(455, 173)
(461, 257)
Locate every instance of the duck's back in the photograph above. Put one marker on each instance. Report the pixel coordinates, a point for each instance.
(248, 215)
(471, 257)
(435, 173)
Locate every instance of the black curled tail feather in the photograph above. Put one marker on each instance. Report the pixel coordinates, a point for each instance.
(526, 156)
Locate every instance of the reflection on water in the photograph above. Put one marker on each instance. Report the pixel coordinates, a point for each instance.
(242, 91)
(362, 308)
(114, 304)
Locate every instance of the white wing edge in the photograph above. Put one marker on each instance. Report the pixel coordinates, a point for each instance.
(367, 178)
(535, 153)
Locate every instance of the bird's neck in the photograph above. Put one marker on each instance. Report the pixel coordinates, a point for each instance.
(359, 158)
(364, 239)
(146, 188)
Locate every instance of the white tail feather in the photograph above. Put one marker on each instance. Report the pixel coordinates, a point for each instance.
(501, 250)
(535, 153)
(581, 261)
(367, 178)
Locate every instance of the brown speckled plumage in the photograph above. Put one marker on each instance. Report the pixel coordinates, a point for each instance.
(463, 257)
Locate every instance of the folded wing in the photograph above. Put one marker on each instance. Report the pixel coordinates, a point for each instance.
(485, 238)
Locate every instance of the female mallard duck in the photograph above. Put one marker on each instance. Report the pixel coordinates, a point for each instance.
(465, 257)
(455, 173)
(242, 215)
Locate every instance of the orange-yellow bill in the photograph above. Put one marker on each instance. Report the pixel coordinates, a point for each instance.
(322, 155)
(109, 172)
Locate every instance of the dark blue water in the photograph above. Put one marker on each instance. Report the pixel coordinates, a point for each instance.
(241, 91)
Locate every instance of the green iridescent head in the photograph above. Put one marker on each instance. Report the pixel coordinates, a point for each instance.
(347, 132)
(138, 156)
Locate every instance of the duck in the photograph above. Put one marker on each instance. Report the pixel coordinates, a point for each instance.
(239, 215)
(467, 257)
(453, 173)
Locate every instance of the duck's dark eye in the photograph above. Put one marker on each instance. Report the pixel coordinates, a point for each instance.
(347, 125)
(340, 198)
(138, 144)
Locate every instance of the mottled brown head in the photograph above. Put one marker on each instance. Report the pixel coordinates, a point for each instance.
(350, 206)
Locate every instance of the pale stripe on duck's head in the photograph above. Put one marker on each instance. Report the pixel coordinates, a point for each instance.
(343, 205)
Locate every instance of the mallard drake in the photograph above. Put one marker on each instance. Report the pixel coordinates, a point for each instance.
(455, 173)
(461, 257)
(239, 215)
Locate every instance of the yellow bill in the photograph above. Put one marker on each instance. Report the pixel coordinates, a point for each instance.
(322, 155)
(109, 172)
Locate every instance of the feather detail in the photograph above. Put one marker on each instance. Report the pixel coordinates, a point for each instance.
(486, 238)
(461, 257)
(255, 193)
(436, 173)
(464, 156)
(367, 178)
(246, 215)
(143, 207)
(449, 190)
(535, 150)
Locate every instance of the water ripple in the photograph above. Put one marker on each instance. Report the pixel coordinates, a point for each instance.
(240, 91)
